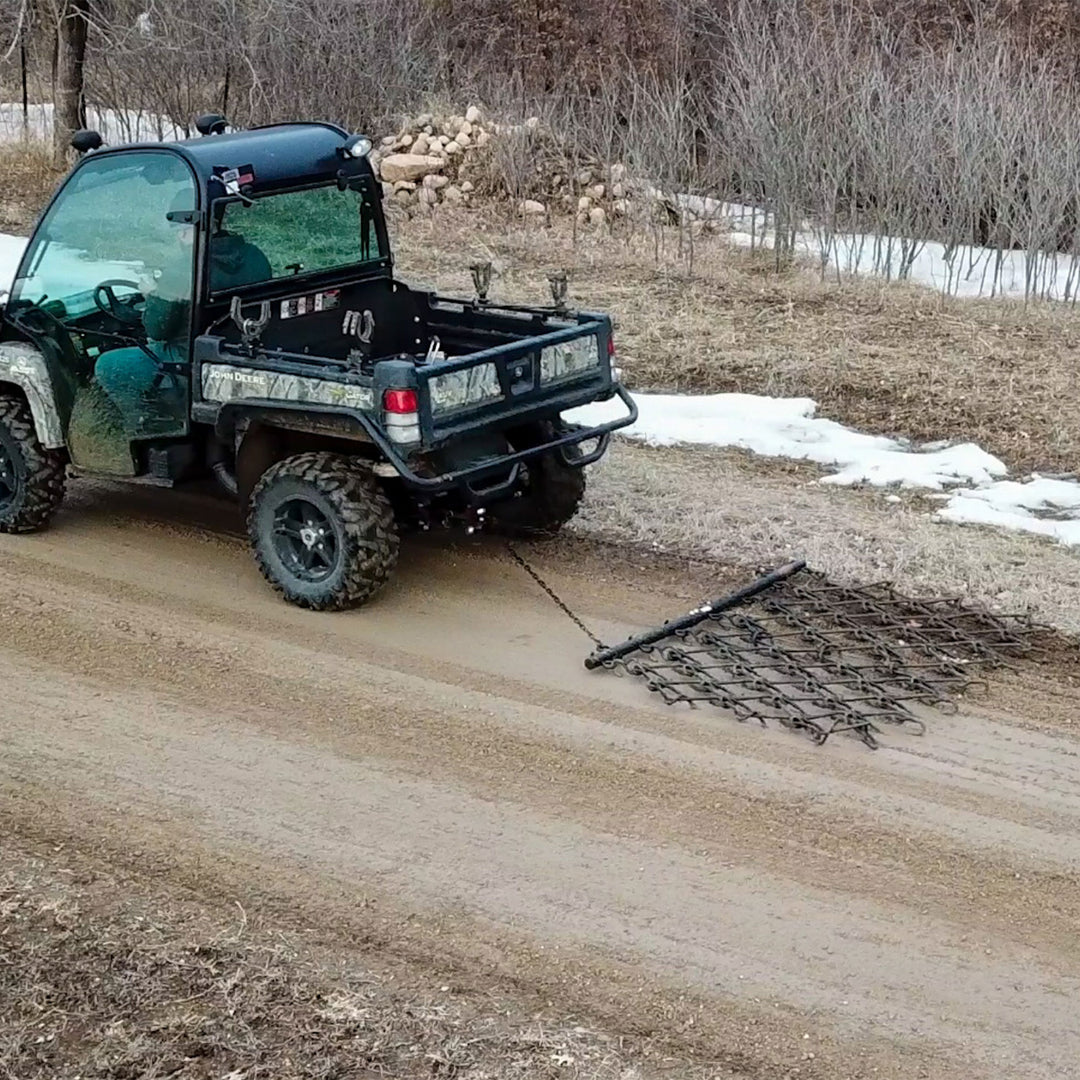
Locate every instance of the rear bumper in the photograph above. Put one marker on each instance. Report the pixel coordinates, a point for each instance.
(470, 479)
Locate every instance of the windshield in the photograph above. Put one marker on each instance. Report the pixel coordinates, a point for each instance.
(110, 221)
(292, 233)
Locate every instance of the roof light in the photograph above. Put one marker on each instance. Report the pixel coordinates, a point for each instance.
(356, 146)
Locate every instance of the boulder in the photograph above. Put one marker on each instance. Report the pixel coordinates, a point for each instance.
(389, 140)
(465, 129)
(597, 217)
(453, 147)
(472, 114)
(618, 174)
(584, 204)
(597, 191)
(409, 166)
(618, 190)
(434, 181)
(463, 139)
(444, 140)
(468, 186)
(404, 185)
(387, 189)
(406, 140)
(483, 138)
(532, 208)
(453, 195)
(404, 197)
(428, 196)
(584, 177)
(420, 146)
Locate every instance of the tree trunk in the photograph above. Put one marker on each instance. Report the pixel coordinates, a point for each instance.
(69, 102)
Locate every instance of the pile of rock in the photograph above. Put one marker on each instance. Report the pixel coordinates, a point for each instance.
(428, 161)
(449, 160)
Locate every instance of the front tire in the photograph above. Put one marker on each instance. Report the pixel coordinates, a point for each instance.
(323, 531)
(31, 477)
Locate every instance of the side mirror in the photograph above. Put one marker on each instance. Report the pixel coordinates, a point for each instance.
(210, 124)
(86, 141)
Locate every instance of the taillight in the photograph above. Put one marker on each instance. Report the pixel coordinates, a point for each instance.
(402, 408)
(611, 346)
(401, 402)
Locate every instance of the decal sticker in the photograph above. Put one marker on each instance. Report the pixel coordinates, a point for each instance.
(235, 179)
(310, 305)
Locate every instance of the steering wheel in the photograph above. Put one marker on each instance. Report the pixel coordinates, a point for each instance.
(123, 311)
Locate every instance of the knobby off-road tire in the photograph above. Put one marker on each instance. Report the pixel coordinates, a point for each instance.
(31, 477)
(323, 531)
(552, 494)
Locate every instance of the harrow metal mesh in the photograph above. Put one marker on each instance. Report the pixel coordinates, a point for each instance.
(824, 658)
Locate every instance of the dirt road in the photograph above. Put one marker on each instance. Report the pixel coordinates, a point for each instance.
(439, 771)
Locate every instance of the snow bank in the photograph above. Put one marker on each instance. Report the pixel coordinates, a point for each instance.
(963, 271)
(115, 126)
(787, 427)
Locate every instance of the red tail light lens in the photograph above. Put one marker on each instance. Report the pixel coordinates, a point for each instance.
(611, 345)
(400, 401)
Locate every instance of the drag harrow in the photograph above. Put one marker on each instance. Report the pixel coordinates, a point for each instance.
(796, 649)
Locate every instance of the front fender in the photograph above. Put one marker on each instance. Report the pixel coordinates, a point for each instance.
(24, 366)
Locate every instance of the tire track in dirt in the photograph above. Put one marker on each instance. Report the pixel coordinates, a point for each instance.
(751, 851)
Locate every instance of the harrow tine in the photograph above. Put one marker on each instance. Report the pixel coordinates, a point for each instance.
(796, 649)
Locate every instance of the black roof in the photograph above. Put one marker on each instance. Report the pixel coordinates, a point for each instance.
(278, 154)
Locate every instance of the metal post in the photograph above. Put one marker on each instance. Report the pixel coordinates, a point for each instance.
(684, 622)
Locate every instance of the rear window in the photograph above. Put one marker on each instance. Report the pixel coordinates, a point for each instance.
(292, 233)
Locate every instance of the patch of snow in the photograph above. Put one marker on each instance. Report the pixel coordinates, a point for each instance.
(11, 249)
(114, 126)
(962, 271)
(787, 427)
(1039, 505)
(70, 270)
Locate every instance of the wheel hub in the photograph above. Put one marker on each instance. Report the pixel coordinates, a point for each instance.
(305, 540)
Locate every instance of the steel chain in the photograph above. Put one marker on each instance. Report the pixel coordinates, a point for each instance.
(558, 602)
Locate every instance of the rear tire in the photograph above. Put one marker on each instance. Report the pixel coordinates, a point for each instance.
(550, 498)
(31, 478)
(323, 531)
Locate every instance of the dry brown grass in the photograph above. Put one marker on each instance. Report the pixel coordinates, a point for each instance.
(731, 508)
(27, 179)
(892, 359)
(103, 975)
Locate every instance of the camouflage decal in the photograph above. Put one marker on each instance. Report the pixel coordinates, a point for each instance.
(224, 382)
(569, 358)
(24, 366)
(456, 389)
